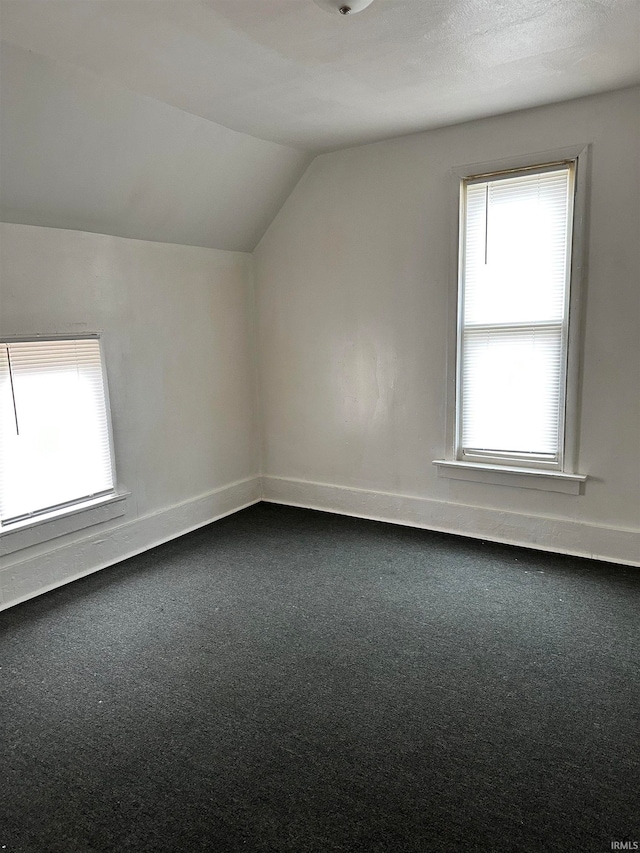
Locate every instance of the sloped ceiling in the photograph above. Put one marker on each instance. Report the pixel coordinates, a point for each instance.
(80, 152)
(191, 121)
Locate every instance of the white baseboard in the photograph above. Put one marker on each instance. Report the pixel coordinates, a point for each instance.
(560, 535)
(62, 563)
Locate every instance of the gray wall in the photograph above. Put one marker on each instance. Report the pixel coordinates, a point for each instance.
(353, 280)
(352, 290)
(177, 328)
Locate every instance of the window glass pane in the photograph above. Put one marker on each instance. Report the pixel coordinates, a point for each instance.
(55, 444)
(516, 234)
(511, 384)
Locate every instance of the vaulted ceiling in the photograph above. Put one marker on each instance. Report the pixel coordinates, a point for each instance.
(191, 121)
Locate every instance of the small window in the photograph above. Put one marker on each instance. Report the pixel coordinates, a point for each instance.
(513, 316)
(55, 443)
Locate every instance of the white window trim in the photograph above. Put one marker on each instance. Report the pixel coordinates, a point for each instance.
(510, 475)
(493, 471)
(42, 528)
(59, 521)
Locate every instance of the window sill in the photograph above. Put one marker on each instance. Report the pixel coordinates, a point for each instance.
(503, 475)
(29, 532)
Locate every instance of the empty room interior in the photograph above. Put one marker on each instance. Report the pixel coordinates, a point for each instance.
(319, 442)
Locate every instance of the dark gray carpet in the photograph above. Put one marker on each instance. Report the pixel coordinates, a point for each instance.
(288, 680)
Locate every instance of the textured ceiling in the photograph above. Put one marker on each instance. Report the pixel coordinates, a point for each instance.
(190, 122)
(286, 71)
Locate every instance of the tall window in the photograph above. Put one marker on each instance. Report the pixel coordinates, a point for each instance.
(516, 236)
(55, 448)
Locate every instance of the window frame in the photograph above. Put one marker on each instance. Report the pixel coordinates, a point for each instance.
(499, 468)
(51, 522)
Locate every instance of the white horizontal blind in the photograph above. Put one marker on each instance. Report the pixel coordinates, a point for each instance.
(54, 429)
(513, 316)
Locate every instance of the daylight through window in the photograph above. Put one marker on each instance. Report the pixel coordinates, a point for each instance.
(513, 316)
(55, 448)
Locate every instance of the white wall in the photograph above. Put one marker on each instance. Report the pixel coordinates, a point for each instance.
(177, 325)
(353, 280)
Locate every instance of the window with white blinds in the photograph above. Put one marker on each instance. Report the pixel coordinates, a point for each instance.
(513, 316)
(55, 448)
